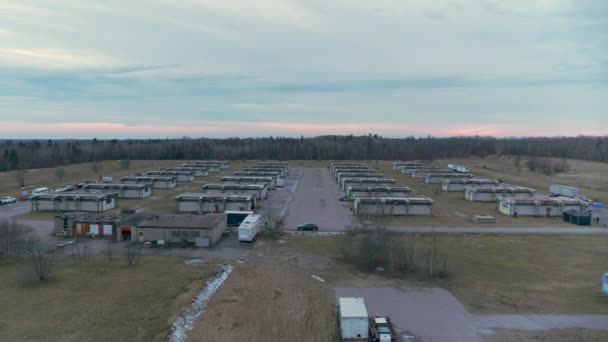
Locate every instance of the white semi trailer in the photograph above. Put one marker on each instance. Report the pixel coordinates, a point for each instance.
(354, 322)
(250, 227)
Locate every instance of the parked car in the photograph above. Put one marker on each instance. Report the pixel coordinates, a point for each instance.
(308, 226)
(7, 200)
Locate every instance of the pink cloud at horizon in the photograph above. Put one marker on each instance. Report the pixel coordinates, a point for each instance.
(24, 130)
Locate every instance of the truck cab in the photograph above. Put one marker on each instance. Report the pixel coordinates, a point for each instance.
(381, 330)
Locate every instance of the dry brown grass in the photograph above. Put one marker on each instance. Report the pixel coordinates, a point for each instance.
(568, 335)
(497, 273)
(263, 300)
(98, 301)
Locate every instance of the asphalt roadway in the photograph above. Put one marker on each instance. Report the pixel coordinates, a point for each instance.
(434, 314)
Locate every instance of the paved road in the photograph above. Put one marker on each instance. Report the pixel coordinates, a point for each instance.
(8, 211)
(501, 230)
(433, 314)
(316, 200)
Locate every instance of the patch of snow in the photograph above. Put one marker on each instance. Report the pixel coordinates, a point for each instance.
(316, 277)
(184, 323)
(193, 261)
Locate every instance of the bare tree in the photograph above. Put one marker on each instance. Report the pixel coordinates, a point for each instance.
(14, 240)
(517, 163)
(59, 174)
(42, 261)
(133, 253)
(109, 250)
(20, 175)
(97, 168)
(125, 164)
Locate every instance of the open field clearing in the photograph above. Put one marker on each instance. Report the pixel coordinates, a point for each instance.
(500, 273)
(98, 301)
(266, 300)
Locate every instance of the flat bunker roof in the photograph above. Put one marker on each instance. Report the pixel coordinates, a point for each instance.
(207, 221)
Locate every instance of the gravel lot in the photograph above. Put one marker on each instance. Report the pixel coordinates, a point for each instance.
(433, 314)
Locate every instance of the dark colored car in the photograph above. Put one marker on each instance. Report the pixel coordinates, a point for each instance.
(308, 226)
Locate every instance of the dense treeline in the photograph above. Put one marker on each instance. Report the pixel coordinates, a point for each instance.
(47, 153)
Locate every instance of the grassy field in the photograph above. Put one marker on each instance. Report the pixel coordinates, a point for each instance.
(569, 335)
(507, 273)
(265, 300)
(98, 301)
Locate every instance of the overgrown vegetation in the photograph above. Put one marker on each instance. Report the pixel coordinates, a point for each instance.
(547, 166)
(397, 254)
(40, 154)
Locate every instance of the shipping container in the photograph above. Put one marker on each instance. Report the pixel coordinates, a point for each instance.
(354, 323)
(562, 190)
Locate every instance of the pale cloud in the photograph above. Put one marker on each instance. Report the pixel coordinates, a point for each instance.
(49, 58)
(306, 67)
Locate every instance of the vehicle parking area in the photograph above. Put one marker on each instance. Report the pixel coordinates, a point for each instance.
(316, 200)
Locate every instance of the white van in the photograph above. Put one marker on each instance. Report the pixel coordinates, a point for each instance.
(249, 228)
(40, 191)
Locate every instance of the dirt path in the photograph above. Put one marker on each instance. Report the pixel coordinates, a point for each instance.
(316, 200)
(265, 300)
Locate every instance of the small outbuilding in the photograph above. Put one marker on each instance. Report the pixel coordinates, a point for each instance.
(198, 171)
(494, 193)
(274, 174)
(398, 166)
(209, 166)
(342, 175)
(74, 201)
(396, 206)
(346, 182)
(157, 182)
(283, 171)
(376, 191)
(200, 230)
(202, 203)
(116, 227)
(435, 178)
(459, 184)
(334, 166)
(578, 218)
(268, 181)
(260, 191)
(422, 172)
(130, 191)
(539, 206)
(180, 176)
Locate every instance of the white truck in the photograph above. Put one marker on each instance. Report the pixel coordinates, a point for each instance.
(249, 228)
(354, 322)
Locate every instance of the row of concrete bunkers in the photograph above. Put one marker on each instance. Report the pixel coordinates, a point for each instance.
(374, 194)
(511, 200)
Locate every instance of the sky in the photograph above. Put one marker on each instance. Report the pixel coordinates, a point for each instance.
(156, 69)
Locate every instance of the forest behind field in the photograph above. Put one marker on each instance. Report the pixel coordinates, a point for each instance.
(25, 154)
